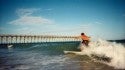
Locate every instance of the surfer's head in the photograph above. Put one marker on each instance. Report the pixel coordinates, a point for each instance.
(82, 34)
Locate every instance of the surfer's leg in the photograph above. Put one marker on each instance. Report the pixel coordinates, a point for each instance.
(81, 47)
(83, 42)
(86, 42)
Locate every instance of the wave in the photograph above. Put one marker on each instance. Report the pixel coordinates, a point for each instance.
(110, 53)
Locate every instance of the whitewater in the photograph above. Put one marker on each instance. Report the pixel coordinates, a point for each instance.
(112, 52)
(103, 55)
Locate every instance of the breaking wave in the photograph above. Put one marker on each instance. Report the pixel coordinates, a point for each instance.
(110, 53)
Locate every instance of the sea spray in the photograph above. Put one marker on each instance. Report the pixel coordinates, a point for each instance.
(112, 50)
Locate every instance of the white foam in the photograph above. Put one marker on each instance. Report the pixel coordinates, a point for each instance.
(110, 49)
(22, 67)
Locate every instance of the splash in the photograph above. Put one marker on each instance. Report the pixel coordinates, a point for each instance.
(108, 50)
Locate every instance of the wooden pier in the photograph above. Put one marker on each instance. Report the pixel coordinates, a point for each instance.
(11, 39)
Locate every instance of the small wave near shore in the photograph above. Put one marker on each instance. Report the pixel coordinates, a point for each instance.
(110, 53)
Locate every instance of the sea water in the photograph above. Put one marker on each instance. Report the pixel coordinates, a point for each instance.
(50, 56)
(110, 53)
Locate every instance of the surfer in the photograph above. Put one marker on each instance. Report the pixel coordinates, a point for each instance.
(85, 39)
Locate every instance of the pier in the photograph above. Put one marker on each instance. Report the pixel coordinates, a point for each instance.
(11, 39)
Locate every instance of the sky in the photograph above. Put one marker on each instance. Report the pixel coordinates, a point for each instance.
(96, 18)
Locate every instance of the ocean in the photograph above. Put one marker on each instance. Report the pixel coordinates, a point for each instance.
(51, 56)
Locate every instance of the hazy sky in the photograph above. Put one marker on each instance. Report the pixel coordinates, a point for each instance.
(97, 18)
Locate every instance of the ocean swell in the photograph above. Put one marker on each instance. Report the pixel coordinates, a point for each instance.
(110, 53)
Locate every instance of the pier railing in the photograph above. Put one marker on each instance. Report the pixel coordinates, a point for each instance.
(10, 39)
